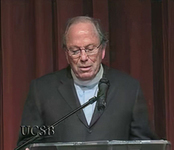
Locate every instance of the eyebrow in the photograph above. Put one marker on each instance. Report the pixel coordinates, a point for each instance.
(84, 46)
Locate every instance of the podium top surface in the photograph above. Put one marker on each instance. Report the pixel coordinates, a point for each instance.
(113, 142)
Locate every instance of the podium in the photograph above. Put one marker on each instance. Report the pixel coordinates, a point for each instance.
(104, 145)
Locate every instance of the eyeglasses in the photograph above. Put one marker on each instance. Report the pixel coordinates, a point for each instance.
(89, 50)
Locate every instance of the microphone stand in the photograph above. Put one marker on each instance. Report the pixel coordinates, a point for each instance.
(90, 101)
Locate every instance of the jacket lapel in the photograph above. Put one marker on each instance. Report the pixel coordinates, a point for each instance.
(68, 92)
(97, 114)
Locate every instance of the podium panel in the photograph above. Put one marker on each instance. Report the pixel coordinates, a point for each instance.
(104, 145)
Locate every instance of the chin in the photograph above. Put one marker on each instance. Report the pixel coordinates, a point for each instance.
(86, 77)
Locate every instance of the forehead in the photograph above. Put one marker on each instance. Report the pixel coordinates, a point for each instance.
(82, 30)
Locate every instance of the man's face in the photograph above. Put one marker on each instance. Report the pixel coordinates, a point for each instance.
(81, 36)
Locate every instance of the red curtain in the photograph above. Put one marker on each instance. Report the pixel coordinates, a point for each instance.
(140, 44)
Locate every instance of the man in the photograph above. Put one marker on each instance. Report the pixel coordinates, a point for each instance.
(56, 94)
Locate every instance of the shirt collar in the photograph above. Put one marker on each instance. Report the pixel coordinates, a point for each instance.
(91, 82)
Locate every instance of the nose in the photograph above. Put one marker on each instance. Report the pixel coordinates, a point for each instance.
(84, 56)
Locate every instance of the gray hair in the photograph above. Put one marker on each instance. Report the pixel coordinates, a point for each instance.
(95, 22)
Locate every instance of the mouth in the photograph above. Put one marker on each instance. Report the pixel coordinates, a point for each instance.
(85, 68)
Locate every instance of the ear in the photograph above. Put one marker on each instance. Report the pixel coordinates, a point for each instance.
(103, 52)
(67, 57)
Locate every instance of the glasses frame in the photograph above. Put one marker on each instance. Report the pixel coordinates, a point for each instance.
(80, 49)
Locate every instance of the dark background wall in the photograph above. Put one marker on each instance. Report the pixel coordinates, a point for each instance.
(140, 43)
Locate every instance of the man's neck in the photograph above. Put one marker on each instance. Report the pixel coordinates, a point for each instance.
(91, 82)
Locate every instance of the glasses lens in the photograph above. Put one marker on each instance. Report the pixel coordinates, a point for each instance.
(88, 51)
(92, 51)
(73, 54)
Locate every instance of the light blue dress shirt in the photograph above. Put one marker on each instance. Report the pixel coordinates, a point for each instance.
(84, 94)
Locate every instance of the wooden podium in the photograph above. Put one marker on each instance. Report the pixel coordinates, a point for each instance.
(104, 145)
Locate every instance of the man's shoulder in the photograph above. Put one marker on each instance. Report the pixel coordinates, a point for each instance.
(117, 73)
(120, 77)
(54, 76)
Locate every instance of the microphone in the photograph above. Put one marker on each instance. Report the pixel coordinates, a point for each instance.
(102, 93)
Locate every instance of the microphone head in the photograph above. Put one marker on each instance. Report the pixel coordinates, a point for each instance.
(101, 96)
(104, 81)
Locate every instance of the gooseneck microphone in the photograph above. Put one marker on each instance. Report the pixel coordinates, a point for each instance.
(102, 93)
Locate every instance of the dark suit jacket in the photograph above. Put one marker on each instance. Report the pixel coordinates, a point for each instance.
(54, 95)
